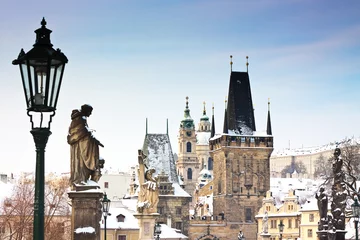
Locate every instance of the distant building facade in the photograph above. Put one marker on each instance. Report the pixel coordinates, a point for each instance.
(115, 184)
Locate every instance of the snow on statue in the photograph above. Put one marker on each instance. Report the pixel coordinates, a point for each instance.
(149, 191)
(85, 162)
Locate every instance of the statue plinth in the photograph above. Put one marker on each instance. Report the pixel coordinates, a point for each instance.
(265, 235)
(146, 225)
(86, 212)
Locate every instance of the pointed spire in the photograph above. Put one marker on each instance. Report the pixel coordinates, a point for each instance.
(268, 127)
(167, 126)
(204, 111)
(226, 128)
(247, 64)
(212, 122)
(231, 63)
(187, 110)
(146, 126)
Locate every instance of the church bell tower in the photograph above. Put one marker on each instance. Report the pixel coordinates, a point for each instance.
(188, 166)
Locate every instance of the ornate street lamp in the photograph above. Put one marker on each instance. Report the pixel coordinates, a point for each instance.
(356, 214)
(41, 69)
(281, 228)
(157, 231)
(241, 236)
(105, 208)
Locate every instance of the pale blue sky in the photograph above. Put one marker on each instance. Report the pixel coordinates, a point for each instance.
(136, 59)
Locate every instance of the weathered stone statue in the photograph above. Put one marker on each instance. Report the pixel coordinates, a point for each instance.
(265, 223)
(322, 202)
(84, 148)
(148, 197)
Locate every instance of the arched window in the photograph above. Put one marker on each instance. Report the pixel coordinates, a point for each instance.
(210, 164)
(188, 147)
(189, 173)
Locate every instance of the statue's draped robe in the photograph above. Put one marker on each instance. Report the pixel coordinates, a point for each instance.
(84, 149)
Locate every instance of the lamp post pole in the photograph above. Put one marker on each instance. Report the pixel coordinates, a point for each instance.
(281, 228)
(356, 214)
(41, 69)
(41, 136)
(105, 208)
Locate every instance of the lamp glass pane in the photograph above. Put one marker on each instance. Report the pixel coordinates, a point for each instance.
(56, 83)
(51, 87)
(25, 79)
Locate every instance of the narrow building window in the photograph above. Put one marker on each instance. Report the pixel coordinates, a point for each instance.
(188, 147)
(106, 184)
(189, 173)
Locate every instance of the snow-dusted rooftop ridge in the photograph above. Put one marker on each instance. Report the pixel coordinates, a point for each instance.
(312, 150)
(202, 138)
(130, 222)
(157, 147)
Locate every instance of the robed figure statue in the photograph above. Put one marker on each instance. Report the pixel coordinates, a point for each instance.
(84, 148)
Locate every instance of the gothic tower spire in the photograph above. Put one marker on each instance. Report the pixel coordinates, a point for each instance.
(268, 127)
(212, 123)
(226, 127)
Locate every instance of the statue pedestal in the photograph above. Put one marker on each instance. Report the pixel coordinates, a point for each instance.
(86, 213)
(146, 225)
(265, 236)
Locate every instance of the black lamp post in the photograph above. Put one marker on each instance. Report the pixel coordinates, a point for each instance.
(281, 228)
(241, 236)
(356, 214)
(157, 231)
(105, 208)
(41, 69)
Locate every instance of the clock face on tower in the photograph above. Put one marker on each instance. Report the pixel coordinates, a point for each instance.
(188, 133)
(188, 125)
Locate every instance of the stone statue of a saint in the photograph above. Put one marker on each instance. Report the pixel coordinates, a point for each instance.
(265, 223)
(148, 197)
(322, 202)
(84, 148)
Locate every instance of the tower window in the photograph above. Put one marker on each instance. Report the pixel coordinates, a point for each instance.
(188, 147)
(210, 164)
(248, 215)
(189, 173)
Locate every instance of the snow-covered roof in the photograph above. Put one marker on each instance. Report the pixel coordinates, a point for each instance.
(202, 138)
(130, 222)
(157, 147)
(171, 233)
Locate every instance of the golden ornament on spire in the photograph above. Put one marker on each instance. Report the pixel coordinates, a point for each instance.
(231, 62)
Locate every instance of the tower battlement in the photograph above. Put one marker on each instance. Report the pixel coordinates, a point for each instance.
(241, 141)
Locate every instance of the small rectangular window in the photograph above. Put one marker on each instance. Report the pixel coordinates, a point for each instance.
(178, 225)
(178, 210)
(311, 217)
(290, 223)
(121, 237)
(160, 210)
(310, 233)
(106, 184)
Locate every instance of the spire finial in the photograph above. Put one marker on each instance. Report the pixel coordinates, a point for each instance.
(231, 63)
(167, 126)
(204, 111)
(43, 22)
(146, 126)
(268, 104)
(247, 64)
(212, 108)
(187, 102)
